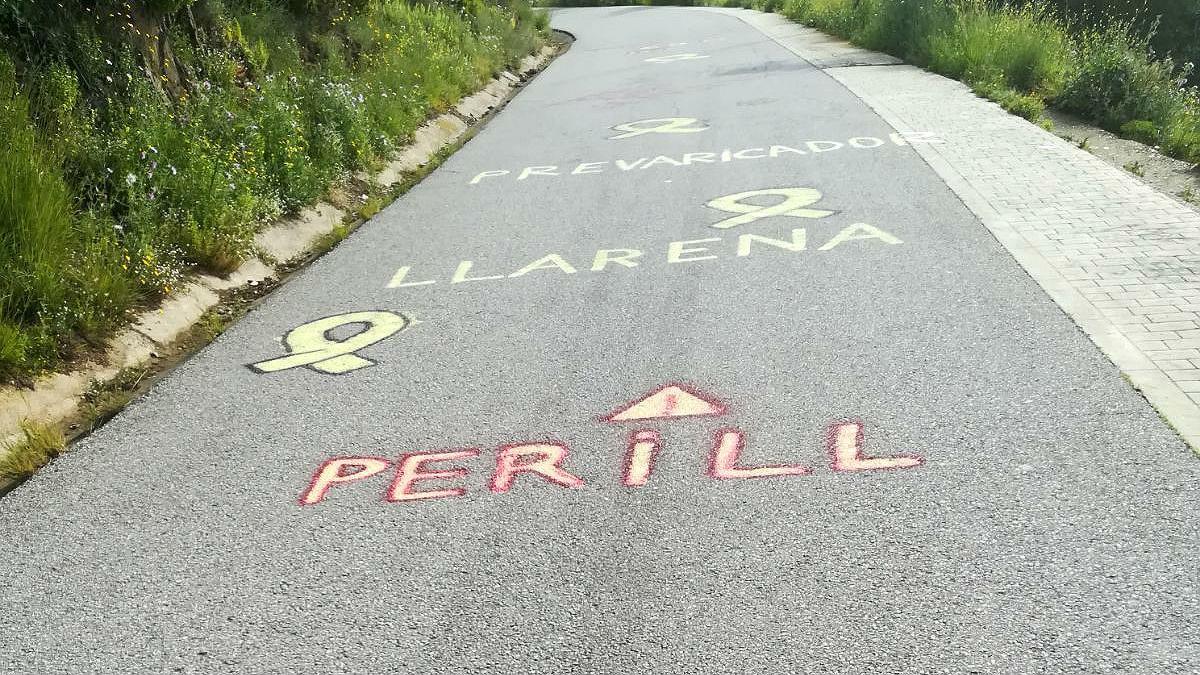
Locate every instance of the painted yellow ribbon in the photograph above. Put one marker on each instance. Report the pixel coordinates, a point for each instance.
(310, 345)
(658, 125)
(794, 201)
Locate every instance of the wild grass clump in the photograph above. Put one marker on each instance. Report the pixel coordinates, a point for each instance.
(1024, 49)
(60, 272)
(1119, 85)
(41, 443)
(1029, 106)
(1181, 136)
(834, 16)
(157, 137)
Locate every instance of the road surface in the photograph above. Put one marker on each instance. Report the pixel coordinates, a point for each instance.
(687, 363)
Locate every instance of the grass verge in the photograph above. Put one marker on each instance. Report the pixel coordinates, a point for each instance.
(160, 137)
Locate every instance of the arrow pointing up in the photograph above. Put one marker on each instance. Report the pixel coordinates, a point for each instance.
(671, 400)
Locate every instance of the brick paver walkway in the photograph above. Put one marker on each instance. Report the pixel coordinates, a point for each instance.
(1119, 257)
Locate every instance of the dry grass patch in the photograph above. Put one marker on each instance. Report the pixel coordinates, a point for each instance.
(41, 443)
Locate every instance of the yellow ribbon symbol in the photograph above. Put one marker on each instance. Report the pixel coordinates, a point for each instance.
(310, 344)
(794, 201)
(658, 125)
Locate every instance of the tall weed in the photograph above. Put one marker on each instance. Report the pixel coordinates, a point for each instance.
(1021, 48)
(59, 279)
(1119, 81)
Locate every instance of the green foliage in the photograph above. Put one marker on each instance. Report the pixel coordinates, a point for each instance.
(40, 444)
(1117, 81)
(1029, 106)
(1181, 137)
(1172, 27)
(1023, 48)
(59, 274)
(113, 185)
(1121, 86)
(1143, 131)
(835, 16)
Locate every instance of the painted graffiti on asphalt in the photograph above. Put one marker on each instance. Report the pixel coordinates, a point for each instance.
(311, 346)
(413, 476)
(610, 259)
(658, 125)
(772, 151)
(793, 202)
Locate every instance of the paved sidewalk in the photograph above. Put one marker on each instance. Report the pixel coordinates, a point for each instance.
(1120, 258)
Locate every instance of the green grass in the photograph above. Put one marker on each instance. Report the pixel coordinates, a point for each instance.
(1142, 131)
(1024, 50)
(23, 458)
(1025, 57)
(113, 185)
(1117, 84)
(61, 283)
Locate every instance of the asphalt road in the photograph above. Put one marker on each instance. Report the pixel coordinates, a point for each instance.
(961, 482)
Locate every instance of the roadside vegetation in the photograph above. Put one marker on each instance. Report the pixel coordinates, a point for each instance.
(145, 138)
(1124, 66)
(38, 445)
(1030, 55)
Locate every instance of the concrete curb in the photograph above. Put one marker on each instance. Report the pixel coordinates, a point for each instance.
(55, 398)
(1171, 402)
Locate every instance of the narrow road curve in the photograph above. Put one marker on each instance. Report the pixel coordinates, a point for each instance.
(687, 363)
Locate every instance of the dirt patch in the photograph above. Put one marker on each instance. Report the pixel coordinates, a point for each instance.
(1178, 179)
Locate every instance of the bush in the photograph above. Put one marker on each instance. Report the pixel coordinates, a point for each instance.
(904, 27)
(1029, 106)
(1181, 137)
(1119, 81)
(840, 17)
(1142, 131)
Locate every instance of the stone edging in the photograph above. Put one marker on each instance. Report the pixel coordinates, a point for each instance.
(55, 398)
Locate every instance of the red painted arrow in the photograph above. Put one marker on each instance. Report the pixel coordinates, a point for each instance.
(670, 400)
